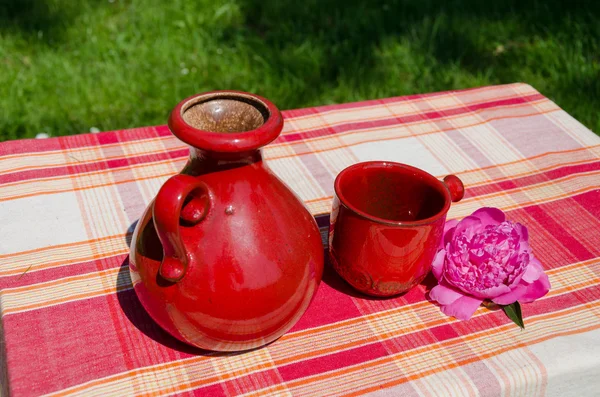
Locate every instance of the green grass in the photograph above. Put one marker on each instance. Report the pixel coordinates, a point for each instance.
(69, 65)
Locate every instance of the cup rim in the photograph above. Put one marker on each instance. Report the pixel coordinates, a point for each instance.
(441, 187)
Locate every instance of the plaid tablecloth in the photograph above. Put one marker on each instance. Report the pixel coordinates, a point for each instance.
(71, 323)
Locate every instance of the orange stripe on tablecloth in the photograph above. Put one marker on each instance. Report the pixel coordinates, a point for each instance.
(534, 202)
(311, 331)
(97, 172)
(476, 184)
(171, 161)
(274, 145)
(416, 100)
(535, 186)
(528, 159)
(470, 113)
(299, 335)
(386, 359)
(64, 263)
(257, 367)
(524, 174)
(520, 189)
(449, 342)
(71, 298)
(537, 156)
(83, 188)
(412, 135)
(66, 245)
(46, 284)
(349, 322)
(85, 245)
(125, 144)
(78, 163)
(320, 199)
(417, 111)
(480, 357)
(468, 200)
(104, 254)
(89, 148)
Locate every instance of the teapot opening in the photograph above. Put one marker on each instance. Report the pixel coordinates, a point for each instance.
(225, 113)
(226, 124)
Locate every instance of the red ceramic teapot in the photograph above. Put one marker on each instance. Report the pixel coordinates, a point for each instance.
(226, 257)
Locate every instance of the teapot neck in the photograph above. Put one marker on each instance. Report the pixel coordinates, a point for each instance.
(202, 162)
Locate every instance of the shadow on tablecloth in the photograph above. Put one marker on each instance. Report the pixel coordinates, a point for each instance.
(137, 315)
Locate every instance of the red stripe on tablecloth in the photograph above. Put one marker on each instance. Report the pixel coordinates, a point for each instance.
(532, 179)
(50, 144)
(411, 340)
(99, 361)
(340, 306)
(326, 130)
(444, 332)
(344, 307)
(30, 146)
(214, 390)
(546, 305)
(71, 335)
(54, 273)
(251, 382)
(491, 320)
(73, 169)
(562, 235)
(333, 361)
(376, 102)
(590, 201)
(109, 138)
(481, 189)
(37, 368)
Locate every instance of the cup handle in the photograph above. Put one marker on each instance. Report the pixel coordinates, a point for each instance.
(455, 186)
(167, 212)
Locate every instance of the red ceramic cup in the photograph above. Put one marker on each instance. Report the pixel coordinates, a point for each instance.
(386, 224)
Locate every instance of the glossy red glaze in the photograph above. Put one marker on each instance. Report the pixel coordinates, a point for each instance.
(386, 224)
(226, 257)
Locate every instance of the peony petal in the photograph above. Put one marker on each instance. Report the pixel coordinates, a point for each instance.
(448, 232)
(462, 308)
(522, 230)
(437, 267)
(524, 246)
(511, 296)
(493, 292)
(450, 225)
(489, 216)
(447, 239)
(470, 223)
(444, 295)
(537, 289)
(533, 271)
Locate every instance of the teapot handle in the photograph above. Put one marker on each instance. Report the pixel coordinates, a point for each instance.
(168, 211)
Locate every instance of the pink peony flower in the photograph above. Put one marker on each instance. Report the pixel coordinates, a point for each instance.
(485, 257)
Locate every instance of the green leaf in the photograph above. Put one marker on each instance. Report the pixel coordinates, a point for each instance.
(513, 311)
